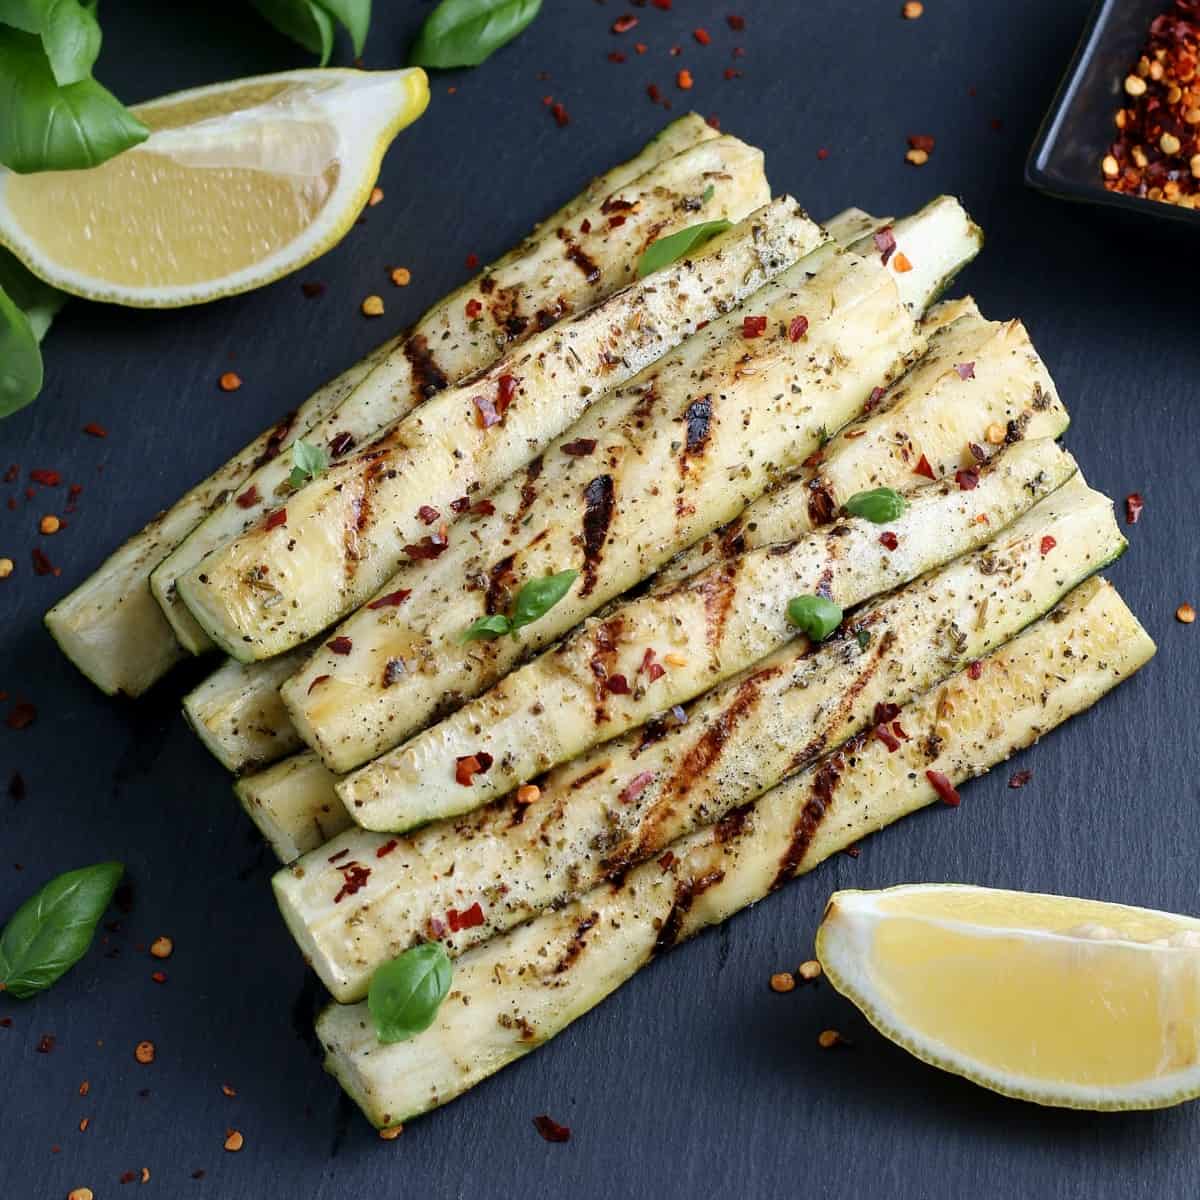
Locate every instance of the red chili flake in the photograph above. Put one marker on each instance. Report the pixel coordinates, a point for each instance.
(313, 289)
(618, 685)
(340, 443)
(965, 370)
(640, 47)
(898, 730)
(6, 1022)
(159, 976)
(923, 468)
(474, 308)
(889, 540)
(585, 226)
(975, 669)
(551, 1130)
(736, 23)
(1019, 779)
(921, 141)
(128, 1176)
(653, 92)
(430, 546)
(885, 243)
(1133, 507)
(560, 115)
(874, 398)
(249, 498)
(460, 505)
(467, 919)
(753, 327)
(428, 514)
(580, 447)
(472, 261)
(731, 73)
(483, 508)
(340, 645)
(387, 847)
(624, 24)
(887, 737)
(506, 389)
(797, 328)
(996, 124)
(663, 5)
(713, 121)
(45, 477)
(636, 786)
(978, 453)
(354, 879)
(683, 80)
(1048, 544)
(822, 153)
(94, 430)
(319, 679)
(470, 765)
(21, 715)
(46, 1044)
(485, 412)
(702, 36)
(12, 472)
(967, 479)
(667, 861)
(392, 599)
(277, 518)
(616, 222)
(615, 56)
(944, 788)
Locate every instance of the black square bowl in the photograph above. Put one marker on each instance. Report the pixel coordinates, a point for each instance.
(1078, 129)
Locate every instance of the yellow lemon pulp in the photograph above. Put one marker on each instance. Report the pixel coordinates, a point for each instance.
(1062, 1001)
(237, 184)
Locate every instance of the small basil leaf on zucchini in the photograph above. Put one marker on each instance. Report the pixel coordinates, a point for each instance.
(486, 628)
(308, 461)
(815, 616)
(539, 596)
(52, 930)
(674, 246)
(878, 505)
(462, 33)
(405, 994)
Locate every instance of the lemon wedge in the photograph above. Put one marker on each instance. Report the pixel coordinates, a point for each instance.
(237, 184)
(1065, 1002)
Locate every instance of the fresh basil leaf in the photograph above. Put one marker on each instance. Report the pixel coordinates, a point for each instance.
(37, 300)
(878, 505)
(487, 628)
(462, 33)
(308, 461)
(707, 194)
(354, 15)
(405, 994)
(539, 596)
(303, 21)
(674, 246)
(52, 930)
(50, 128)
(815, 616)
(20, 358)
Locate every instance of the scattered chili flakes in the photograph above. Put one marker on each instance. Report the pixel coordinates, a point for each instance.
(312, 289)
(319, 679)
(162, 947)
(275, 519)
(42, 565)
(387, 847)
(340, 645)
(1018, 779)
(615, 56)
(391, 1133)
(822, 153)
(653, 92)
(551, 1130)
(735, 22)
(640, 47)
(469, 765)
(753, 327)
(234, 1140)
(559, 113)
(144, 1052)
(731, 73)
(683, 80)
(636, 786)
(702, 36)
(430, 546)
(94, 430)
(783, 981)
(473, 308)
(472, 261)
(45, 1043)
(1133, 507)
(372, 306)
(21, 715)
(159, 976)
(469, 918)
(354, 879)
(6, 1022)
(45, 477)
(889, 540)
(923, 468)
(249, 498)
(944, 788)
(1185, 614)
(624, 24)
(667, 860)
(617, 685)
(1048, 544)
(662, 5)
(392, 599)
(797, 328)
(967, 479)
(427, 514)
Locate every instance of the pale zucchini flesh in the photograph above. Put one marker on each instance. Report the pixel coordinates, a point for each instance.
(562, 271)
(627, 800)
(676, 452)
(346, 532)
(932, 412)
(111, 627)
(294, 805)
(702, 631)
(519, 990)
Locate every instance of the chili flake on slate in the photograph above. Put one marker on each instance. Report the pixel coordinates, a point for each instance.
(230, 381)
(551, 1130)
(923, 468)
(624, 24)
(42, 565)
(472, 261)
(21, 715)
(1133, 507)
(1019, 779)
(46, 1043)
(470, 765)
(753, 327)
(736, 23)
(944, 788)
(467, 919)
(45, 477)
(702, 36)
(392, 599)
(560, 115)
(94, 430)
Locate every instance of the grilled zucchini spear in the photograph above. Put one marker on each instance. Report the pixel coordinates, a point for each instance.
(644, 473)
(517, 991)
(628, 799)
(110, 626)
(565, 270)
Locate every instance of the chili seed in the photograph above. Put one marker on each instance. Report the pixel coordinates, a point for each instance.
(828, 1038)
(918, 158)
(901, 262)
(234, 1141)
(372, 306)
(144, 1052)
(684, 80)
(161, 947)
(995, 434)
(391, 1133)
(912, 10)
(230, 381)
(1110, 166)
(81, 1194)
(401, 276)
(810, 970)
(376, 197)
(1169, 143)
(6, 567)
(1135, 86)
(783, 981)
(528, 793)
(1185, 613)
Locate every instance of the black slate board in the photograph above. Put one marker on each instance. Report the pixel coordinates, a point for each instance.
(695, 1079)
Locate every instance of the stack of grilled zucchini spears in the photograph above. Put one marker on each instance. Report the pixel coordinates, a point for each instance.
(660, 747)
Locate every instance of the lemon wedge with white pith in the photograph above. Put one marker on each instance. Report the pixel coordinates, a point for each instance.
(237, 184)
(1074, 1003)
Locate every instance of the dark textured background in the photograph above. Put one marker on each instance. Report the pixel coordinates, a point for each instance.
(695, 1079)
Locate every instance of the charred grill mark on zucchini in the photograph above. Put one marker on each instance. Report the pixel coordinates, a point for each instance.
(605, 641)
(578, 944)
(275, 440)
(686, 893)
(360, 510)
(574, 252)
(499, 577)
(529, 491)
(427, 376)
(821, 505)
(597, 517)
(718, 589)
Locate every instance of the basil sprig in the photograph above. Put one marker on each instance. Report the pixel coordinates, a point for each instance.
(308, 461)
(462, 33)
(405, 994)
(534, 601)
(816, 616)
(667, 250)
(311, 22)
(27, 306)
(878, 505)
(52, 930)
